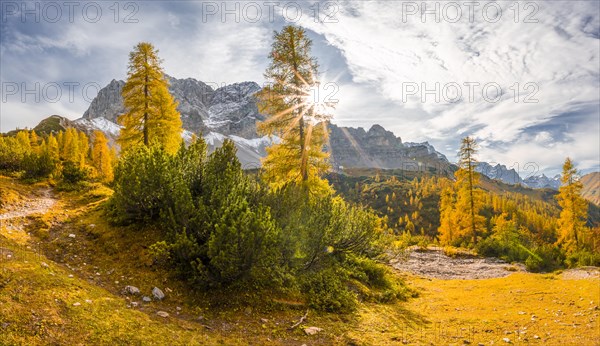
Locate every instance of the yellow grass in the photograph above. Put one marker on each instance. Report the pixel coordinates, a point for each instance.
(518, 307)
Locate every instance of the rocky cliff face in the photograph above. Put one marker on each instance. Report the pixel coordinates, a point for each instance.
(193, 97)
(379, 148)
(108, 103)
(230, 110)
(233, 110)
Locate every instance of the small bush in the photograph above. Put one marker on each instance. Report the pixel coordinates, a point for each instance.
(451, 251)
(544, 258)
(327, 290)
(534, 264)
(37, 165)
(160, 252)
(146, 182)
(371, 272)
(583, 258)
(376, 282)
(73, 173)
(506, 245)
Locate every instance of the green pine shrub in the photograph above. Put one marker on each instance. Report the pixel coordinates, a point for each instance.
(327, 290)
(37, 165)
(224, 229)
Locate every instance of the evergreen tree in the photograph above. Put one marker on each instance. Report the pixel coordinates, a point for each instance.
(243, 242)
(145, 182)
(468, 196)
(571, 224)
(102, 157)
(292, 114)
(152, 116)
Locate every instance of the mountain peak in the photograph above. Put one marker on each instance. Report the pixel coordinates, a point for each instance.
(542, 181)
(231, 111)
(499, 172)
(52, 124)
(377, 128)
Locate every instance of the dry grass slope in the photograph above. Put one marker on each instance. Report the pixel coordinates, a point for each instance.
(45, 272)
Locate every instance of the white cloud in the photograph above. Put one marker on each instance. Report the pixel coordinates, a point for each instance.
(379, 52)
(558, 55)
(214, 52)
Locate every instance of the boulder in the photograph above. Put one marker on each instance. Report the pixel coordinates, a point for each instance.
(132, 290)
(157, 293)
(312, 330)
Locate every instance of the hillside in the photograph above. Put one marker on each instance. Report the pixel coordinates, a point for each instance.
(403, 196)
(65, 269)
(591, 187)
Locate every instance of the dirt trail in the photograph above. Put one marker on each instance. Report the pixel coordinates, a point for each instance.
(433, 263)
(37, 205)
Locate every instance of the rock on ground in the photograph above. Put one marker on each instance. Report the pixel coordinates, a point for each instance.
(132, 290)
(157, 293)
(312, 330)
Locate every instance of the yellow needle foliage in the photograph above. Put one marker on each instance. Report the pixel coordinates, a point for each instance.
(152, 116)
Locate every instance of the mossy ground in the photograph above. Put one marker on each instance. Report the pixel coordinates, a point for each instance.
(49, 271)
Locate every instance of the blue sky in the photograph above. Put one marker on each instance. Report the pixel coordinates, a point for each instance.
(389, 60)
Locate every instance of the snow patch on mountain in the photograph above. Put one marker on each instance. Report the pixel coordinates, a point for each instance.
(187, 136)
(542, 182)
(214, 139)
(261, 142)
(102, 124)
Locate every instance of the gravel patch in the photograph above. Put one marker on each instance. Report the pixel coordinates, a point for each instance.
(433, 263)
(29, 207)
(582, 273)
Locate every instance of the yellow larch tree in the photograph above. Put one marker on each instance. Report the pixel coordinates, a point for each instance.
(23, 140)
(52, 147)
(572, 220)
(293, 114)
(151, 112)
(71, 146)
(460, 221)
(102, 158)
(84, 147)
